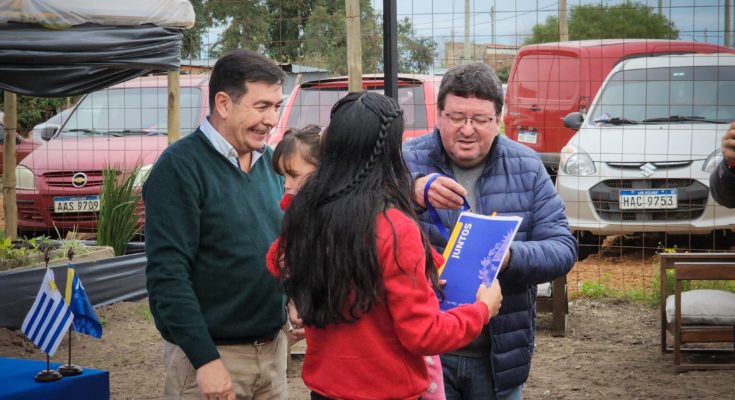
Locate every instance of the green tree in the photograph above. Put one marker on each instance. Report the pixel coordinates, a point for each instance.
(325, 37)
(601, 21)
(546, 32)
(34, 110)
(245, 25)
(503, 73)
(325, 41)
(287, 21)
(415, 53)
(193, 41)
(304, 31)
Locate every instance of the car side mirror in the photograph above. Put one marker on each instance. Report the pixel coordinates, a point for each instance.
(574, 120)
(48, 132)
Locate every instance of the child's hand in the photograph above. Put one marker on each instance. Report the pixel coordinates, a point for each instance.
(296, 335)
(296, 330)
(491, 296)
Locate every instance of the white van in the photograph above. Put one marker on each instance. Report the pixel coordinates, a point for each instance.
(641, 158)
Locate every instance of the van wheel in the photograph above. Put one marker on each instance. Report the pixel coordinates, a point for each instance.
(587, 245)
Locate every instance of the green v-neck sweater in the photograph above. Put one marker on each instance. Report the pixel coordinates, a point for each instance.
(208, 227)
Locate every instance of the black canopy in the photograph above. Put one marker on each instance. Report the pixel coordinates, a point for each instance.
(42, 62)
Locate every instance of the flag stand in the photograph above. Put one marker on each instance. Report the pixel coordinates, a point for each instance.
(47, 375)
(70, 369)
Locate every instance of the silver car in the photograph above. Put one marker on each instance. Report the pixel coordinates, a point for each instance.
(641, 158)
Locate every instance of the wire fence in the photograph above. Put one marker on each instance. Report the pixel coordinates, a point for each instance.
(631, 188)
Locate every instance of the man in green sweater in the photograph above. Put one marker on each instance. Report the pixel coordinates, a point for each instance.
(211, 206)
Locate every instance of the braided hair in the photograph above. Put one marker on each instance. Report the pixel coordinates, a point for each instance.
(330, 253)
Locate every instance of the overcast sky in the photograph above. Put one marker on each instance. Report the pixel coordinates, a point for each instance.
(515, 18)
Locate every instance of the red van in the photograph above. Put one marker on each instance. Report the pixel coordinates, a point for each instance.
(311, 102)
(548, 81)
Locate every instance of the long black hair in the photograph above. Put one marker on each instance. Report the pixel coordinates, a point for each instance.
(331, 269)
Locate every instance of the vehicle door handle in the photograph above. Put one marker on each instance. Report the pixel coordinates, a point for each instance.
(535, 108)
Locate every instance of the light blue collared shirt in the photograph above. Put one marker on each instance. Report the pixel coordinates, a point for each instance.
(223, 146)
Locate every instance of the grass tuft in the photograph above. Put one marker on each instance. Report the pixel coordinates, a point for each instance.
(119, 215)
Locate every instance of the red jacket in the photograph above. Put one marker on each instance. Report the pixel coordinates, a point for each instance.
(380, 356)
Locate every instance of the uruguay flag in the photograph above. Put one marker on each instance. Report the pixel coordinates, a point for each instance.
(49, 317)
(85, 319)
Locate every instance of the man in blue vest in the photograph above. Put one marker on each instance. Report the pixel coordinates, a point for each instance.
(498, 175)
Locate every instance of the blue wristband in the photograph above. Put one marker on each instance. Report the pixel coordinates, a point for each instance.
(432, 211)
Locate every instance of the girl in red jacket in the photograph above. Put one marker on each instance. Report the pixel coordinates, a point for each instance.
(360, 271)
(295, 158)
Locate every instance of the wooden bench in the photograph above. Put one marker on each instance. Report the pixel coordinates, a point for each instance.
(667, 261)
(557, 304)
(713, 332)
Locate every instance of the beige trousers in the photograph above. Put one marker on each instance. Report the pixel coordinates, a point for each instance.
(258, 372)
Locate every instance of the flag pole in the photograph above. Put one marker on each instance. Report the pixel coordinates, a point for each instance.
(47, 375)
(70, 369)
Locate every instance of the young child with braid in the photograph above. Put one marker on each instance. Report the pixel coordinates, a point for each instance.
(359, 270)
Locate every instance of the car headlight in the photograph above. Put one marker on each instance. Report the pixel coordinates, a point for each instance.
(142, 175)
(576, 162)
(24, 178)
(711, 162)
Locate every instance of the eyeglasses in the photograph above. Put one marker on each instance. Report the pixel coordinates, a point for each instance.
(458, 119)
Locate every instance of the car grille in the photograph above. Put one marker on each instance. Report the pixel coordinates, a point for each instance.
(658, 165)
(692, 199)
(63, 179)
(29, 212)
(73, 217)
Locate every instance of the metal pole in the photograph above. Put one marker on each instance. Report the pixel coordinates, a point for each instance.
(390, 48)
(354, 46)
(563, 28)
(9, 164)
(727, 23)
(69, 363)
(492, 21)
(467, 43)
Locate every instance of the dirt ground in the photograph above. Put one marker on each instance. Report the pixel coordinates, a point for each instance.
(611, 349)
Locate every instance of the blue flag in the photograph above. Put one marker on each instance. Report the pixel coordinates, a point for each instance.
(49, 318)
(85, 319)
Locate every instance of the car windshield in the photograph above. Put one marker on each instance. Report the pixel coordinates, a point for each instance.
(701, 94)
(131, 111)
(313, 105)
